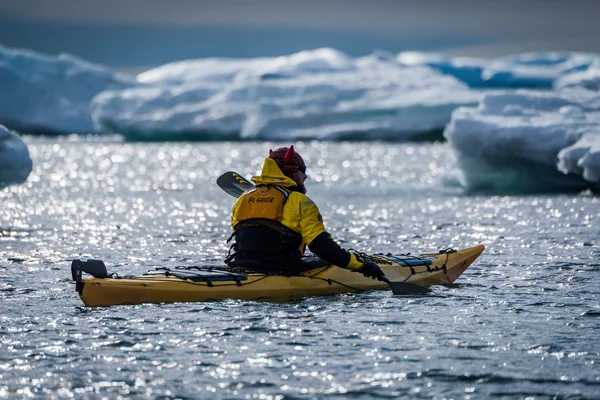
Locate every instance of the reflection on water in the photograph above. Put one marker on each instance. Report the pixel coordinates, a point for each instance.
(523, 321)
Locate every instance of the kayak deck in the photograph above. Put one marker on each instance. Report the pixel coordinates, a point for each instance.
(167, 286)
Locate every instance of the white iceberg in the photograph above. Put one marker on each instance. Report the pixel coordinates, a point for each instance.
(224, 70)
(529, 70)
(320, 94)
(583, 157)
(466, 69)
(525, 141)
(15, 162)
(588, 79)
(47, 94)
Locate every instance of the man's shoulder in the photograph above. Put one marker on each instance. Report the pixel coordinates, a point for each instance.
(301, 198)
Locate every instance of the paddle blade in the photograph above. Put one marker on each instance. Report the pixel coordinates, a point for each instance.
(233, 183)
(406, 288)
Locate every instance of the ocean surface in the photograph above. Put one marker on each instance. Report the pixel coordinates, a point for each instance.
(522, 322)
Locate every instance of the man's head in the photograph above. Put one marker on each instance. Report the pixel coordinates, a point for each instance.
(291, 164)
(288, 160)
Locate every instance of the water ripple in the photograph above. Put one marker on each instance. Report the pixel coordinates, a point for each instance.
(521, 322)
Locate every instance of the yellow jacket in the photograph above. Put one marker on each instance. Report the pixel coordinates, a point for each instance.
(300, 214)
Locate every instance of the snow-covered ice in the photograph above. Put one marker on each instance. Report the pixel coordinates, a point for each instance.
(49, 94)
(321, 94)
(224, 70)
(589, 78)
(529, 70)
(583, 157)
(545, 138)
(529, 140)
(314, 94)
(15, 162)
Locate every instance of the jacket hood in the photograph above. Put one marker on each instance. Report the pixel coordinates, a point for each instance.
(272, 175)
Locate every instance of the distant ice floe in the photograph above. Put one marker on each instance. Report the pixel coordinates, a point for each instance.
(225, 70)
(15, 162)
(583, 157)
(321, 94)
(47, 94)
(529, 70)
(588, 79)
(529, 141)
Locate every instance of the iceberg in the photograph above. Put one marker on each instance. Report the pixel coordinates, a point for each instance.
(466, 69)
(589, 79)
(51, 95)
(583, 157)
(15, 162)
(320, 94)
(224, 70)
(529, 70)
(529, 141)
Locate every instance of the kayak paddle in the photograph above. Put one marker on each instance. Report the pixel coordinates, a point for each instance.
(405, 288)
(234, 184)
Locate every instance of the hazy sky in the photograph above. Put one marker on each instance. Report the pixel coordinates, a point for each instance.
(73, 25)
(510, 17)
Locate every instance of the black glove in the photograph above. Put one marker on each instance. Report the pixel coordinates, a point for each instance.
(371, 270)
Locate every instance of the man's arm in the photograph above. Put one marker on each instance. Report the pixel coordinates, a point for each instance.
(326, 248)
(320, 241)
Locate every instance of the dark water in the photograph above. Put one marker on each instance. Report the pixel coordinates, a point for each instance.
(523, 322)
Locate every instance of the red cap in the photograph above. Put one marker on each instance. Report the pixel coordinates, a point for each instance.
(286, 158)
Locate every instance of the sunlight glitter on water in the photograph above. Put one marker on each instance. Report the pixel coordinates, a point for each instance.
(519, 322)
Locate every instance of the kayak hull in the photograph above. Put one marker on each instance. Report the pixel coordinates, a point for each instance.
(444, 268)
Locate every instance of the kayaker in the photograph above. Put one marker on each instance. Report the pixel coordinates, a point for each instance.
(274, 222)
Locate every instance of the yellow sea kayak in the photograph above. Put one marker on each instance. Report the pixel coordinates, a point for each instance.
(165, 285)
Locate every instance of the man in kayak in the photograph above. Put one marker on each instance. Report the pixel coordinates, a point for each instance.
(274, 222)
